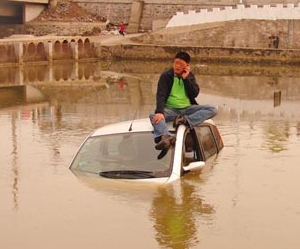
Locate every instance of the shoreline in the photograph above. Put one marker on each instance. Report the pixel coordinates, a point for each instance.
(116, 47)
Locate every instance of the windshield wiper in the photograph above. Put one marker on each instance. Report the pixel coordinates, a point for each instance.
(126, 174)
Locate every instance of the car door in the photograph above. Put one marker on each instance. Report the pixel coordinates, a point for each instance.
(191, 151)
(210, 143)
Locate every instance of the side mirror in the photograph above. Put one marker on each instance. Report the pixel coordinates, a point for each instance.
(194, 166)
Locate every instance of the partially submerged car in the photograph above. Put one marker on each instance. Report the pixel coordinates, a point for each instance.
(127, 151)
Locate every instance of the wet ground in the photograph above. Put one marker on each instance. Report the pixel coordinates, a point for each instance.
(246, 198)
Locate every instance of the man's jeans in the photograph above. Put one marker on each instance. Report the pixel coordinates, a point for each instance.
(195, 114)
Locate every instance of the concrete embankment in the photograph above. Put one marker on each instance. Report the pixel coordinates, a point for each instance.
(127, 48)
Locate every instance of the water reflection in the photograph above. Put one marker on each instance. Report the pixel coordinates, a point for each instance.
(174, 208)
(58, 72)
(15, 167)
(277, 136)
(48, 111)
(174, 211)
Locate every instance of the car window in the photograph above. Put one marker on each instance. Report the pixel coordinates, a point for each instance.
(130, 151)
(207, 141)
(189, 150)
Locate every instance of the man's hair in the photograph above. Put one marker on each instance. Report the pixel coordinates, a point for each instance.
(183, 56)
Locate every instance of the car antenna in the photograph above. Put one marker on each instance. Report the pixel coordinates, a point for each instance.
(130, 127)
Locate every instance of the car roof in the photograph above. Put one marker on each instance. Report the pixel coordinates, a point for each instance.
(136, 125)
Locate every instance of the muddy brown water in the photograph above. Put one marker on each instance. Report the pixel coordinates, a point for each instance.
(246, 198)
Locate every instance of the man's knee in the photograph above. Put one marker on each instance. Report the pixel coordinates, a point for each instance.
(215, 111)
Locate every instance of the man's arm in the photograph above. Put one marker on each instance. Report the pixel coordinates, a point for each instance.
(191, 86)
(162, 93)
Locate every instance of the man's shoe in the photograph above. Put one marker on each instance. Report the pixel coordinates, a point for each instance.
(165, 142)
(157, 139)
(180, 120)
(162, 153)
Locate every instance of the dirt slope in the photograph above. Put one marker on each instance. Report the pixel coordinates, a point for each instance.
(67, 11)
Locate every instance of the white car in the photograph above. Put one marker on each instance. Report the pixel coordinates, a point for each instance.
(127, 151)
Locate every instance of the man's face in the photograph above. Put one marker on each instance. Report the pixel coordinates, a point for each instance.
(179, 66)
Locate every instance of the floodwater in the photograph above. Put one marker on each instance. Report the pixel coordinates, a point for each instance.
(248, 197)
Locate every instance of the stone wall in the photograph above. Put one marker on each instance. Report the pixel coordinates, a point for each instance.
(53, 28)
(119, 10)
(152, 11)
(62, 28)
(255, 56)
(239, 34)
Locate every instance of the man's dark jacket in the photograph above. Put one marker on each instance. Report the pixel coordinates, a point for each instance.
(165, 84)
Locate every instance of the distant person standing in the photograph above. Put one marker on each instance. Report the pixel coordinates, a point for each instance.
(276, 42)
(122, 29)
(107, 24)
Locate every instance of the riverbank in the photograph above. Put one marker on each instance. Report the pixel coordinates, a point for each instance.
(243, 41)
(115, 47)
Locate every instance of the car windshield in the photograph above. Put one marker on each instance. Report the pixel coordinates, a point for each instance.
(124, 156)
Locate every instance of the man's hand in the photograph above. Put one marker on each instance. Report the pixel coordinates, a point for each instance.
(158, 117)
(186, 71)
